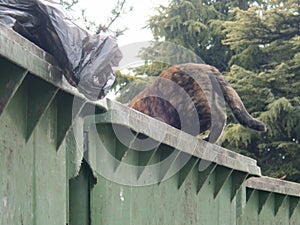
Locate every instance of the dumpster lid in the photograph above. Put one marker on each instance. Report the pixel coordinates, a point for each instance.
(274, 185)
(120, 114)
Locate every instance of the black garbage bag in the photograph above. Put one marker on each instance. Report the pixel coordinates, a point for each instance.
(85, 59)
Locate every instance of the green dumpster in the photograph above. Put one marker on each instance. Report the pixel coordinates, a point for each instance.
(67, 160)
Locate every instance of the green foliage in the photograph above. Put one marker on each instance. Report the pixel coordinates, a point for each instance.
(283, 117)
(251, 87)
(266, 74)
(273, 97)
(263, 35)
(191, 24)
(152, 69)
(128, 86)
(163, 54)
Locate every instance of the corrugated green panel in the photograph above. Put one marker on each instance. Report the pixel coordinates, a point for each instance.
(161, 203)
(40, 96)
(270, 213)
(270, 201)
(50, 172)
(295, 217)
(64, 118)
(201, 192)
(114, 204)
(250, 211)
(74, 151)
(282, 215)
(11, 77)
(79, 196)
(32, 172)
(266, 214)
(17, 163)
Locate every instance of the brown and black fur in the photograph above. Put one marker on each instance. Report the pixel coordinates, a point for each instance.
(190, 94)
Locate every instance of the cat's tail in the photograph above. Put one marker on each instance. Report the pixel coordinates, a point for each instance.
(236, 105)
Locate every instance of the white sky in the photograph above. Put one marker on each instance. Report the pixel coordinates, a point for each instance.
(99, 11)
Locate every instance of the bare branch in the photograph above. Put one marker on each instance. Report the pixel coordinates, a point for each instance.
(67, 4)
(119, 9)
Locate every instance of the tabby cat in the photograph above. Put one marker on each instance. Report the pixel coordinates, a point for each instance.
(191, 97)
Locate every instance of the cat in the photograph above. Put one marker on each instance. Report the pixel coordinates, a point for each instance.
(191, 97)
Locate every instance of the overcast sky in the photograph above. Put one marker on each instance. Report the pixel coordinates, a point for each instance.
(99, 11)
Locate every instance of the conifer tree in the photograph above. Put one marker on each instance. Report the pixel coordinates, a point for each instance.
(265, 72)
(190, 23)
